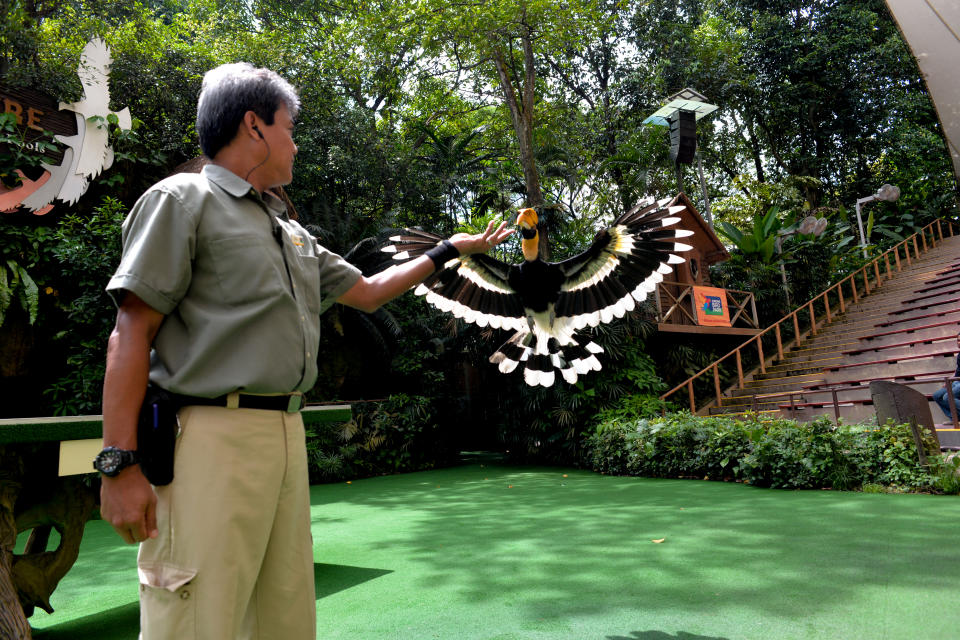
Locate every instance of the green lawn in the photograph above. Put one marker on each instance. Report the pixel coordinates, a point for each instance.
(493, 552)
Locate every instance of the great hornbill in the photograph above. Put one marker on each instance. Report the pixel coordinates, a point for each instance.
(547, 303)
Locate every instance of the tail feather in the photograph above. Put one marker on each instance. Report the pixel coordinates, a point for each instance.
(542, 360)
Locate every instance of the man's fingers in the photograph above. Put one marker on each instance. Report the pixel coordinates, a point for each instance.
(495, 236)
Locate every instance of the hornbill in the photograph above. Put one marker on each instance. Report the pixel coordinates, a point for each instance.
(548, 303)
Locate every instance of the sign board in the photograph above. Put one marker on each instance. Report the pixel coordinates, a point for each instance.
(711, 307)
(36, 113)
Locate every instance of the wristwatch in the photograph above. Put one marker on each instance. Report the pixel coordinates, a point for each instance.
(111, 461)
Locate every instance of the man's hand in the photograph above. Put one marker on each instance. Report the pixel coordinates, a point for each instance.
(481, 242)
(129, 504)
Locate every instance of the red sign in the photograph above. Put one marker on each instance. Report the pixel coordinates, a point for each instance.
(711, 306)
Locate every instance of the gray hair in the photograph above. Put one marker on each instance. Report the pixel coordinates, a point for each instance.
(229, 91)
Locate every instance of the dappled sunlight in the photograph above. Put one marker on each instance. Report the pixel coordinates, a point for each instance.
(582, 546)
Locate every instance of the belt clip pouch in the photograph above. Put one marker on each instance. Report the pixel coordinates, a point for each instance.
(157, 435)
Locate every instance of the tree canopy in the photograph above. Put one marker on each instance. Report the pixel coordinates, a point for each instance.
(445, 113)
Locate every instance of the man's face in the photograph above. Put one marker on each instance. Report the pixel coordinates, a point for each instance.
(278, 169)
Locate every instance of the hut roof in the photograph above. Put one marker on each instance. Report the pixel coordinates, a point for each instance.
(704, 238)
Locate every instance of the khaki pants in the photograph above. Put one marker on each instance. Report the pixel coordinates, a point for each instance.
(234, 558)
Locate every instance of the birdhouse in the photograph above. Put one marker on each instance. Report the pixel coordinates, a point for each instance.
(687, 301)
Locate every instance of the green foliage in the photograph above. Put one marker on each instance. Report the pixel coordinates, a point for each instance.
(788, 455)
(396, 435)
(16, 282)
(768, 453)
(760, 241)
(26, 254)
(87, 250)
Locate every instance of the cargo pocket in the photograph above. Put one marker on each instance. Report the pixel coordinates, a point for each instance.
(168, 604)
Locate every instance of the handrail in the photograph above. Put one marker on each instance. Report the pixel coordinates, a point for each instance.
(793, 316)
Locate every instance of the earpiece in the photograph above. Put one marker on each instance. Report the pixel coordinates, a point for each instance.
(259, 133)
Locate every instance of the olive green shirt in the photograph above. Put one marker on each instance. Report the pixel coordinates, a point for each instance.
(242, 312)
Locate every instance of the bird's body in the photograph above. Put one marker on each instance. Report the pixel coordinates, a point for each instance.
(548, 303)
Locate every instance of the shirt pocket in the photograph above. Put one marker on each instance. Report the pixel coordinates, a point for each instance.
(308, 275)
(247, 268)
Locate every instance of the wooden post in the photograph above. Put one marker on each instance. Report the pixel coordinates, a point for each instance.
(896, 257)
(853, 285)
(739, 369)
(693, 403)
(866, 281)
(886, 259)
(843, 307)
(939, 230)
(763, 367)
(836, 407)
(906, 252)
(776, 330)
(796, 328)
(826, 306)
(813, 319)
(716, 383)
(923, 239)
(876, 271)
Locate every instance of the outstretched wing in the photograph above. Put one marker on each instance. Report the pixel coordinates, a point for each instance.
(624, 264)
(474, 288)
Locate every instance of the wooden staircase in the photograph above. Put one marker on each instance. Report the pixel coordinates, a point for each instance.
(903, 331)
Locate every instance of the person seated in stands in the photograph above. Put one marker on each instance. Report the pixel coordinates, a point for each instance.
(940, 395)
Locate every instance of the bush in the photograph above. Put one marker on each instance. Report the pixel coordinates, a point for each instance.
(768, 453)
(399, 434)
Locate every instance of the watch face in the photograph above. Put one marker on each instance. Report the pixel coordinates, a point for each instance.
(109, 461)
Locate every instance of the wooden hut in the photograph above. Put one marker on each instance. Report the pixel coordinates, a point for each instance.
(687, 301)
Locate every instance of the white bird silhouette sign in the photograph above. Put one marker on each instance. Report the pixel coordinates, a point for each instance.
(88, 153)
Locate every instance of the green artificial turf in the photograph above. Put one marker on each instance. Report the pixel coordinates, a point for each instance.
(493, 552)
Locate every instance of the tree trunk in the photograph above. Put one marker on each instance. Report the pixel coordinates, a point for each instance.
(13, 623)
(521, 113)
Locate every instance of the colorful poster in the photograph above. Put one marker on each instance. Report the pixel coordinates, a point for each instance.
(711, 307)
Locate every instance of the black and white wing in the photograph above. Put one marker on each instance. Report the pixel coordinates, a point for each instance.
(474, 288)
(623, 265)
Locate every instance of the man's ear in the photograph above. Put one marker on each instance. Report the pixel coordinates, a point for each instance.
(250, 125)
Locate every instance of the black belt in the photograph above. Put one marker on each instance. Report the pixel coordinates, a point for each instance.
(291, 403)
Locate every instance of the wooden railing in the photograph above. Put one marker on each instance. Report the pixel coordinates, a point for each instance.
(827, 312)
(680, 307)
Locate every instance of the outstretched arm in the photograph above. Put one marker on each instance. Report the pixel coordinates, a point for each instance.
(371, 292)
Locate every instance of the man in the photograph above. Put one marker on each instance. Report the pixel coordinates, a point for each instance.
(218, 297)
(940, 395)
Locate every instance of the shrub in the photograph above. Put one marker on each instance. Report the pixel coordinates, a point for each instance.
(768, 453)
(395, 435)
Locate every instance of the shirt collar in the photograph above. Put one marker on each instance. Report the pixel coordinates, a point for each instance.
(239, 188)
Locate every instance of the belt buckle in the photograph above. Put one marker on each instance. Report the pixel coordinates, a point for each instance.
(295, 402)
